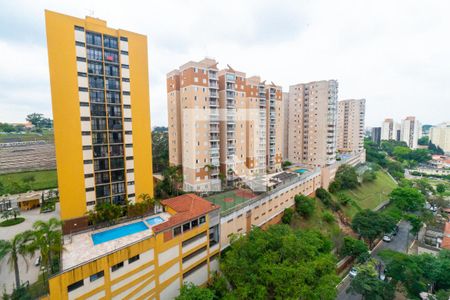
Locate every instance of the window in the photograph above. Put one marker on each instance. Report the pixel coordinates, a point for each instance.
(177, 231)
(133, 259)
(194, 223)
(74, 286)
(94, 54)
(117, 267)
(123, 38)
(110, 42)
(79, 28)
(186, 226)
(93, 39)
(202, 220)
(97, 276)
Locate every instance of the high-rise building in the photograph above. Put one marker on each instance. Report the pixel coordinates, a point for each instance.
(376, 135)
(440, 136)
(101, 111)
(411, 131)
(221, 122)
(388, 130)
(285, 125)
(312, 122)
(350, 125)
(194, 136)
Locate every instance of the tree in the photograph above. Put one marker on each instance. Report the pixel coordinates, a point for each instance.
(369, 176)
(418, 273)
(409, 199)
(47, 239)
(285, 164)
(35, 119)
(440, 188)
(416, 223)
(160, 149)
(401, 153)
(344, 199)
(280, 263)
(104, 213)
(326, 199)
(370, 225)
(287, 216)
(369, 286)
(304, 205)
(423, 141)
(328, 217)
(190, 291)
(19, 246)
(355, 248)
(346, 178)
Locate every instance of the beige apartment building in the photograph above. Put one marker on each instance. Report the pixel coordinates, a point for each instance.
(387, 130)
(221, 122)
(312, 123)
(440, 136)
(285, 110)
(350, 125)
(411, 131)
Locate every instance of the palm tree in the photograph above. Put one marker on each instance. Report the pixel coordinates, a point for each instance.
(19, 246)
(47, 239)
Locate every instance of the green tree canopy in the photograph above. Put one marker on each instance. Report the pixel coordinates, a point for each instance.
(370, 225)
(409, 199)
(304, 205)
(190, 291)
(355, 248)
(281, 264)
(440, 188)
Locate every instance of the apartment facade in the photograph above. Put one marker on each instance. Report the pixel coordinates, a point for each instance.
(411, 131)
(100, 99)
(151, 264)
(376, 135)
(388, 130)
(285, 98)
(440, 136)
(194, 136)
(350, 125)
(221, 122)
(313, 123)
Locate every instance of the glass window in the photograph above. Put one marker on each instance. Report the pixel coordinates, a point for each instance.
(115, 138)
(75, 285)
(100, 151)
(99, 138)
(115, 124)
(96, 82)
(112, 84)
(117, 175)
(97, 276)
(118, 188)
(113, 97)
(110, 42)
(111, 56)
(98, 124)
(101, 164)
(133, 259)
(102, 191)
(112, 70)
(186, 226)
(98, 110)
(177, 231)
(117, 267)
(95, 68)
(102, 177)
(94, 38)
(97, 96)
(202, 220)
(117, 163)
(114, 111)
(94, 54)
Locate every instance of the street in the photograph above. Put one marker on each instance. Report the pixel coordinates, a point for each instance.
(28, 271)
(399, 243)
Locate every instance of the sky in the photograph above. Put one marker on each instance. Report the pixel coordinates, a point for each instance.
(395, 54)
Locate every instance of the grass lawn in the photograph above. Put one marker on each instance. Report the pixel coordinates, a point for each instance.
(14, 137)
(315, 221)
(370, 194)
(42, 180)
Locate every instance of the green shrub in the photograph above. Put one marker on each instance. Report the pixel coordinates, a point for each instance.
(287, 216)
(304, 205)
(328, 217)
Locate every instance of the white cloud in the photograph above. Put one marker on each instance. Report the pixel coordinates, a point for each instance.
(393, 53)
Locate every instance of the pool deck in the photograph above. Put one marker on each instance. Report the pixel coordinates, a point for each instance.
(82, 248)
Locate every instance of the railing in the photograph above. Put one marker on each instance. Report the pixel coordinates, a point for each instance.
(276, 190)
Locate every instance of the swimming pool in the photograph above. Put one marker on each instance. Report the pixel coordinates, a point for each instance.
(301, 171)
(115, 233)
(154, 221)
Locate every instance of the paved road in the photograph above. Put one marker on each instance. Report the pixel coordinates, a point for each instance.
(28, 271)
(400, 243)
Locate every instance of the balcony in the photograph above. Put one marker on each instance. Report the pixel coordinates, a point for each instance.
(214, 137)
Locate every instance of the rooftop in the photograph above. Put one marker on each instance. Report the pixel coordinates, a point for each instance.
(80, 247)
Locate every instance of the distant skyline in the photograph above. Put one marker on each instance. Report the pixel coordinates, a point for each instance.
(392, 53)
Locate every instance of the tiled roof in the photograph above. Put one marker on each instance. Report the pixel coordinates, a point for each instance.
(446, 239)
(187, 207)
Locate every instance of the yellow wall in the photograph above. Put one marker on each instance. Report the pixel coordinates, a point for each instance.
(66, 112)
(58, 284)
(66, 109)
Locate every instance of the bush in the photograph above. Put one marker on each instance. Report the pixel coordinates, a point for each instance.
(287, 216)
(328, 217)
(369, 176)
(355, 248)
(12, 222)
(304, 205)
(334, 187)
(440, 188)
(344, 199)
(326, 199)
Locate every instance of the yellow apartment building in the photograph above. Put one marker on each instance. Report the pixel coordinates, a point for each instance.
(101, 111)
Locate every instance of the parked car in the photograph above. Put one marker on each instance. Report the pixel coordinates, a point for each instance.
(387, 237)
(37, 262)
(353, 272)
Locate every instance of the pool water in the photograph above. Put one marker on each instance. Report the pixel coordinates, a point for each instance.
(116, 233)
(154, 221)
(301, 171)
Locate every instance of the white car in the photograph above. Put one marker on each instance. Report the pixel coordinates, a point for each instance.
(353, 272)
(387, 238)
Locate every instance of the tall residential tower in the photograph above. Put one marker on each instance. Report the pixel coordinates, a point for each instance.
(100, 99)
(350, 125)
(313, 118)
(411, 131)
